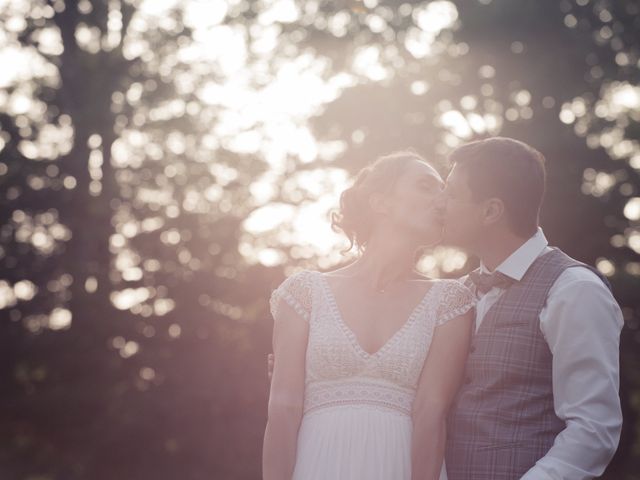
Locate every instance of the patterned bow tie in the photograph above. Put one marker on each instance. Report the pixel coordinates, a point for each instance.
(486, 281)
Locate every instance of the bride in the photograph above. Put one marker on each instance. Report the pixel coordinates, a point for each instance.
(369, 357)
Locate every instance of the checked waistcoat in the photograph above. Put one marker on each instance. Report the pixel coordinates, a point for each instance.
(503, 420)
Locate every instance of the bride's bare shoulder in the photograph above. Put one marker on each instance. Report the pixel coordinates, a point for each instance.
(422, 277)
(448, 284)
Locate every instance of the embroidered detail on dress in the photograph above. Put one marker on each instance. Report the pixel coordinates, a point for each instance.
(357, 392)
(296, 292)
(456, 299)
(417, 312)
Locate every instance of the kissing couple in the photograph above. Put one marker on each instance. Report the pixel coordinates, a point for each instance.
(380, 373)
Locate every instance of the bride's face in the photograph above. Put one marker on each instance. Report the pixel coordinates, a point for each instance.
(411, 208)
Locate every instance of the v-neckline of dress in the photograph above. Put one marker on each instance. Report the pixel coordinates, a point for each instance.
(351, 336)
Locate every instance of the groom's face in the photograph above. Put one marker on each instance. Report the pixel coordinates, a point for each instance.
(462, 214)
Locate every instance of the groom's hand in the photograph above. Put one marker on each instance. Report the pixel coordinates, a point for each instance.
(270, 361)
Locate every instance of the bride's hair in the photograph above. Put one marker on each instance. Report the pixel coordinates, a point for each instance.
(355, 218)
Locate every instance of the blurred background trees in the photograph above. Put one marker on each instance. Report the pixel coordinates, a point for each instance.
(164, 164)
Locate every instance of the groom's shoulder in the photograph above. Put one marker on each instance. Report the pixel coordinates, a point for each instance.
(577, 275)
(575, 269)
(581, 273)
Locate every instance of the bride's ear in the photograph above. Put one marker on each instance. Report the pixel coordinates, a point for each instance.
(493, 211)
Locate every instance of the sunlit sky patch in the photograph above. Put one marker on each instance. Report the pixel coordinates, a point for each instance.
(306, 225)
(262, 108)
(256, 93)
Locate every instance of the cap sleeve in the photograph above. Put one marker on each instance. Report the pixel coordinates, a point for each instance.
(456, 300)
(295, 291)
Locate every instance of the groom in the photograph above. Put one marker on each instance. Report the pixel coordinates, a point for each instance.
(540, 395)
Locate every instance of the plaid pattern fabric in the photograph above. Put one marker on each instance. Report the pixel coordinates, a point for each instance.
(502, 420)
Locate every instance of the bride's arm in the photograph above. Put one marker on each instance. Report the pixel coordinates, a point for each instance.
(439, 382)
(286, 395)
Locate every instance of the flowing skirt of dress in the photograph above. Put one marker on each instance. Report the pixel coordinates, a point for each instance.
(354, 442)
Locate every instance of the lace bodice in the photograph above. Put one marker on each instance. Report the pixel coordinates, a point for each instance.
(339, 371)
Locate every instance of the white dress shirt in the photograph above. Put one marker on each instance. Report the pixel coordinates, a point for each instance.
(581, 323)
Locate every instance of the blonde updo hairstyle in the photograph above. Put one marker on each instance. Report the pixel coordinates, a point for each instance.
(355, 216)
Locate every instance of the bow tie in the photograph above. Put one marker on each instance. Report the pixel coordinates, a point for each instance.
(486, 281)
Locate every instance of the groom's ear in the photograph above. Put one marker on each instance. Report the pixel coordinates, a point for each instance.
(493, 211)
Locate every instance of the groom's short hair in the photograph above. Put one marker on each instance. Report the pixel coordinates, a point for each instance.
(510, 170)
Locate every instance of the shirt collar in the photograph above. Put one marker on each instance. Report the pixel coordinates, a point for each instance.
(517, 264)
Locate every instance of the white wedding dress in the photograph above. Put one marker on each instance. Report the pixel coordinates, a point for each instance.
(357, 421)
